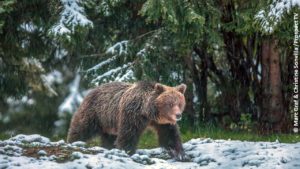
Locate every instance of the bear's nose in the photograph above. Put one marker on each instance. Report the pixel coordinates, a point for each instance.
(178, 117)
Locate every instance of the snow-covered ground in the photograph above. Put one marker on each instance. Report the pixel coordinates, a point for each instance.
(35, 151)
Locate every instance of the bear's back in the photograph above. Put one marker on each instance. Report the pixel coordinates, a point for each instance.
(109, 94)
(113, 86)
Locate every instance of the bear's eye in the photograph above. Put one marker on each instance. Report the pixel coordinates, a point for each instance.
(171, 104)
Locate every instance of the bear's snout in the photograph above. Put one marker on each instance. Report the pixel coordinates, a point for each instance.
(178, 116)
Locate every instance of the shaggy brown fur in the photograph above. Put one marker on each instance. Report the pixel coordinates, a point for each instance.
(120, 112)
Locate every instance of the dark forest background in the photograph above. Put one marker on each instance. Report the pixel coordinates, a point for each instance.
(236, 57)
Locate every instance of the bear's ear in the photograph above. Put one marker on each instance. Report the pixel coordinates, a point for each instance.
(159, 88)
(181, 88)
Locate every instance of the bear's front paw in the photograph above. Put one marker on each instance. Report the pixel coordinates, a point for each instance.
(179, 156)
(182, 157)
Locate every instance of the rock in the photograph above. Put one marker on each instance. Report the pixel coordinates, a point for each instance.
(252, 162)
(12, 150)
(97, 149)
(283, 160)
(142, 159)
(90, 166)
(4, 166)
(58, 143)
(52, 157)
(76, 155)
(42, 153)
(117, 152)
(204, 160)
(78, 144)
(208, 140)
(21, 138)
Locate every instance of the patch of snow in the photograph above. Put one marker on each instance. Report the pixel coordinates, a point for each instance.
(28, 27)
(16, 102)
(129, 75)
(69, 105)
(141, 53)
(105, 8)
(118, 48)
(203, 153)
(33, 63)
(11, 150)
(259, 68)
(101, 64)
(72, 15)
(60, 53)
(47, 85)
(21, 138)
(116, 152)
(59, 143)
(175, 75)
(142, 159)
(78, 144)
(72, 101)
(218, 93)
(195, 98)
(270, 18)
(120, 73)
(54, 77)
(110, 73)
(42, 152)
(51, 78)
(76, 155)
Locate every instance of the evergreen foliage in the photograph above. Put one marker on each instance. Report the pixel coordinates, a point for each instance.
(212, 46)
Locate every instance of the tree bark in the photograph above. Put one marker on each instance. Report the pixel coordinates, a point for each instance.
(189, 108)
(272, 119)
(237, 87)
(201, 79)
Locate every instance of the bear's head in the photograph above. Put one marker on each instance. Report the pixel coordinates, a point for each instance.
(169, 103)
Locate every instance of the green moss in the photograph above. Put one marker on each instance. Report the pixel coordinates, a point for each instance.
(94, 142)
(3, 136)
(148, 140)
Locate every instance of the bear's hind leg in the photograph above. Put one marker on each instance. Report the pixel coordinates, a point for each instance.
(82, 128)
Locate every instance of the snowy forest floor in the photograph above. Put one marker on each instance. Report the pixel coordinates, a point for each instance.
(35, 151)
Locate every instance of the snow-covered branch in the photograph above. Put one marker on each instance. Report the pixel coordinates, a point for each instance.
(116, 74)
(71, 102)
(127, 76)
(49, 79)
(269, 19)
(123, 72)
(72, 15)
(118, 48)
(101, 64)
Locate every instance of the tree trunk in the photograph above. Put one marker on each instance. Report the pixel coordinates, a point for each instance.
(272, 119)
(203, 91)
(237, 88)
(189, 108)
(200, 78)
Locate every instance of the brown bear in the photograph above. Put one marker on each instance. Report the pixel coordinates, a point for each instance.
(119, 112)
